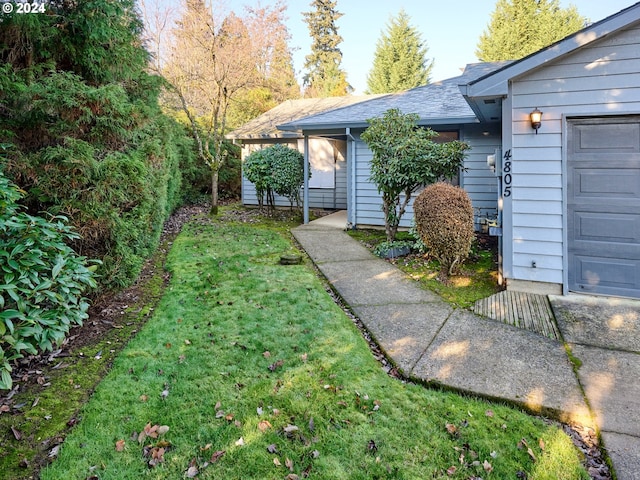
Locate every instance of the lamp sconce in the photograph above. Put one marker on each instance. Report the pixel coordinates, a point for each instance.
(536, 119)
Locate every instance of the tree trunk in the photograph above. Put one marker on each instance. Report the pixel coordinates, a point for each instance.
(214, 191)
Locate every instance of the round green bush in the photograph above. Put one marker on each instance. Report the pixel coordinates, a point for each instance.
(444, 221)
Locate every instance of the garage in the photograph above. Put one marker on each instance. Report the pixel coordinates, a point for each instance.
(603, 205)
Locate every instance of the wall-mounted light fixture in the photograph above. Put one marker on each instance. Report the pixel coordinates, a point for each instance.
(536, 119)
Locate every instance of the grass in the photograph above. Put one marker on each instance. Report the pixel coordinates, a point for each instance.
(43, 414)
(258, 374)
(477, 279)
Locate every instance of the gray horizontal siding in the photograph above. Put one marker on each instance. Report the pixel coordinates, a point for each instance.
(325, 198)
(478, 180)
(599, 79)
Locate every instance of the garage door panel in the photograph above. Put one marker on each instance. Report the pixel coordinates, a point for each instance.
(604, 275)
(607, 137)
(604, 205)
(613, 183)
(607, 227)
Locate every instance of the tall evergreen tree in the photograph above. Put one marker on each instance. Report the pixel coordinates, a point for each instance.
(521, 27)
(324, 77)
(400, 61)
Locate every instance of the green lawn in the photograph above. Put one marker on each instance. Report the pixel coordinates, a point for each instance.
(477, 278)
(258, 374)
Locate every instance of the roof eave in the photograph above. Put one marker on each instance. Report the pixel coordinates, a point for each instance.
(300, 127)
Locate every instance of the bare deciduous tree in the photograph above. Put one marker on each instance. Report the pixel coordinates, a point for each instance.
(211, 60)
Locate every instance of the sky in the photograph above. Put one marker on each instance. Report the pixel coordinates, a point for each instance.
(450, 28)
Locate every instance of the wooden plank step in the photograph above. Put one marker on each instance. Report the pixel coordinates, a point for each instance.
(520, 309)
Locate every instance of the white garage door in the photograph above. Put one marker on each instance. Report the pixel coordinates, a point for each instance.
(603, 202)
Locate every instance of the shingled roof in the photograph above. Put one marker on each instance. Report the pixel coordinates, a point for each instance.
(436, 103)
(265, 126)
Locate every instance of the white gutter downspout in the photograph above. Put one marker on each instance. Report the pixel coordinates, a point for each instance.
(305, 194)
(351, 205)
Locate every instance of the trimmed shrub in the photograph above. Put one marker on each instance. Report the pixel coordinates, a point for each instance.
(444, 221)
(42, 281)
(276, 170)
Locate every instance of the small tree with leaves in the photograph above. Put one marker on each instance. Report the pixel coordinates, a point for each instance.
(275, 170)
(406, 158)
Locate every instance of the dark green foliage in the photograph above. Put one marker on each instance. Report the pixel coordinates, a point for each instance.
(41, 281)
(521, 27)
(400, 61)
(324, 77)
(89, 139)
(444, 220)
(405, 158)
(276, 170)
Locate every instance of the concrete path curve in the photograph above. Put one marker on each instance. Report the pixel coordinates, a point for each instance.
(429, 340)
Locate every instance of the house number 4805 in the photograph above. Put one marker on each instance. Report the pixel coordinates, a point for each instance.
(506, 170)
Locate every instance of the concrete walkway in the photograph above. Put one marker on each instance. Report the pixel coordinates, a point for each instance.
(429, 340)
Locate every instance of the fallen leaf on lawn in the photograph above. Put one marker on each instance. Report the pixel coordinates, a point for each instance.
(289, 464)
(167, 345)
(312, 425)
(487, 467)
(165, 393)
(272, 448)
(217, 455)
(315, 454)
(206, 447)
(452, 429)
(16, 433)
(157, 456)
(371, 446)
(531, 454)
(275, 366)
(264, 425)
(342, 403)
(303, 357)
(4, 409)
(218, 405)
(451, 470)
(144, 398)
(163, 429)
(266, 354)
(291, 476)
(276, 462)
(54, 451)
(276, 412)
(290, 429)
(187, 342)
(493, 454)
(192, 472)
(228, 417)
(220, 414)
(489, 413)
(120, 446)
(240, 442)
(522, 443)
(541, 444)
(307, 471)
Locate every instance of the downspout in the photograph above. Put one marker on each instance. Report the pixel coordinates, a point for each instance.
(351, 172)
(305, 193)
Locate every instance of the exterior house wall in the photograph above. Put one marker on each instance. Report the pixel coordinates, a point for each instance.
(330, 160)
(478, 180)
(602, 78)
